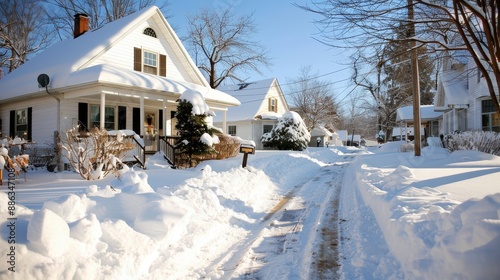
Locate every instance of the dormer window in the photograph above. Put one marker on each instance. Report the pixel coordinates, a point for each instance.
(150, 62)
(273, 105)
(150, 32)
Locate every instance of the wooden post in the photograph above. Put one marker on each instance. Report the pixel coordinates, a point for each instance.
(245, 157)
(1, 179)
(415, 80)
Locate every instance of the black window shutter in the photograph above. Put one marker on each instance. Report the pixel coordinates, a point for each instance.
(83, 116)
(12, 122)
(137, 59)
(160, 116)
(163, 65)
(30, 124)
(136, 120)
(122, 117)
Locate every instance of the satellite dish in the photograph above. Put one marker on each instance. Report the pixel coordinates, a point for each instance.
(43, 80)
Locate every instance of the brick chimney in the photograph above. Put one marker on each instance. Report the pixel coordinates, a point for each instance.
(81, 24)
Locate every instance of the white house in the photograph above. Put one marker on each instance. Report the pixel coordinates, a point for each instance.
(463, 96)
(127, 74)
(326, 138)
(429, 120)
(262, 104)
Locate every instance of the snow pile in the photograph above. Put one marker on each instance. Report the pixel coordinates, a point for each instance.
(431, 217)
(429, 235)
(198, 102)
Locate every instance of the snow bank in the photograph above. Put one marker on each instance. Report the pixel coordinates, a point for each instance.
(430, 235)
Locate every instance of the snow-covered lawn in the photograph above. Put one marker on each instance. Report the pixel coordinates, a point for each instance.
(432, 217)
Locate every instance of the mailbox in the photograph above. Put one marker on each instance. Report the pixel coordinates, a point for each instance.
(245, 150)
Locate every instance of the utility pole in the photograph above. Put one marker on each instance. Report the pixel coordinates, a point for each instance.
(415, 79)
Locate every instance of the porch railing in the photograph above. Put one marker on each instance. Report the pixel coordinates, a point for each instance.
(139, 152)
(167, 146)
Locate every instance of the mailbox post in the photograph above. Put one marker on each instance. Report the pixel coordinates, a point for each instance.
(245, 150)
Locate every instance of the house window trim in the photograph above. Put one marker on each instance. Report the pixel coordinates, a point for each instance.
(17, 130)
(91, 121)
(157, 61)
(490, 114)
(264, 130)
(229, 130)
(273, 104)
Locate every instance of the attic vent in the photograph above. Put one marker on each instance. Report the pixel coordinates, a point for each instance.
(150, 32)
(243, 85)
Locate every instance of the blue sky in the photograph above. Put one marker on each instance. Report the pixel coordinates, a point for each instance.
(287, 32)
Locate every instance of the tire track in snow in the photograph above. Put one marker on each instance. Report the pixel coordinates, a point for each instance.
(287, 243)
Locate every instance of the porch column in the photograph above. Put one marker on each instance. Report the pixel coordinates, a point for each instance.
(102, 110)
(224, 126)
(142, 115)
(164, 117)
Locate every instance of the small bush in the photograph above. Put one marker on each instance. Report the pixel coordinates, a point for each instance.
(483, 141)
(227, 147)
(406, 147)
(93, 154)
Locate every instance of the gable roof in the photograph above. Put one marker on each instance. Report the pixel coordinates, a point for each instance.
(66, 63)
(427, 113)
(251, 95)
(452, 90)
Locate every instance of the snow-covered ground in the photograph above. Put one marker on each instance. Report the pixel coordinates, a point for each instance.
(431, 217)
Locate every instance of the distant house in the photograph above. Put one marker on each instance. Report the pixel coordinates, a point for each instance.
(343, 136)
(262, 104)
(463, 97)
(326, 137)
(127, 74)
(429, 120)
(405, 133)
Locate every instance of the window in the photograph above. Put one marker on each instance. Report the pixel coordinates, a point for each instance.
(22, 123)
(109, 117)
(267, 128)
(150, 32)
(490, 117)
(150, 62)
(231, 130)
(273, 105)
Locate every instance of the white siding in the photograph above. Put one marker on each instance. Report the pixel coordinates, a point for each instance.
(122, 54)
(44, 118)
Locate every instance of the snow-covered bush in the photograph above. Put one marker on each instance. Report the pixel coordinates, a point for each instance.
(406, 147)
(289, 134)
(93, 154)
(195, 138)
(483, 141)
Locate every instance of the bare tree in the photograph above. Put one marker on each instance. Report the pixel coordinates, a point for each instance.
(100, 12)
(470, 25)
(223, 46)
(313, 99)
(23, 32)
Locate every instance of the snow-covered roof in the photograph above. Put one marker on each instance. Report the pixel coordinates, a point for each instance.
(342, 135)
(427, 113)
(66, 63)
(251, 95)
(452, 90)
(320, 131)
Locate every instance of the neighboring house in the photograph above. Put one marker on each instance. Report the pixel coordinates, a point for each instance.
(429, 120)
(326, 138)
(463, 97)
(127, 74)
(343, 136)
(262, 104)
(405, 133)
